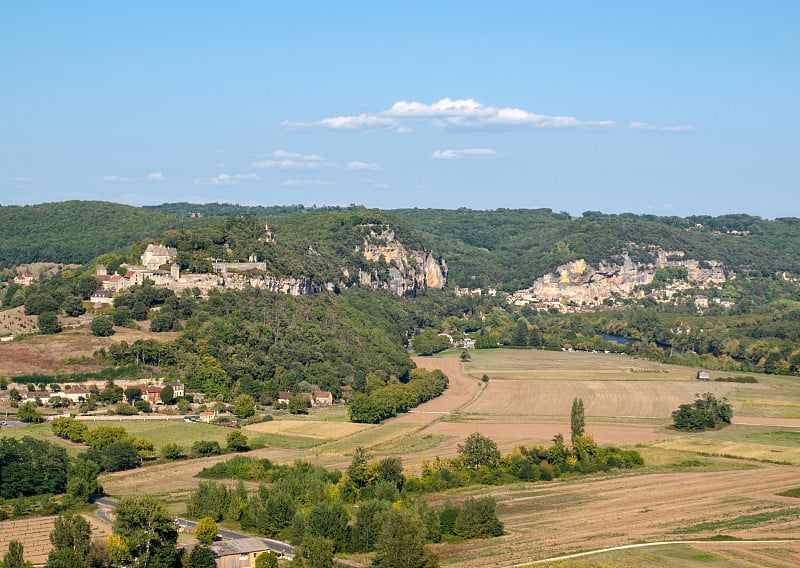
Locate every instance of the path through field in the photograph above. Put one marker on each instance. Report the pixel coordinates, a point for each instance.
(545, 520)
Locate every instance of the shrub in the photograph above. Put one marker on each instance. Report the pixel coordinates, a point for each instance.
(206, 448)
(706, 412)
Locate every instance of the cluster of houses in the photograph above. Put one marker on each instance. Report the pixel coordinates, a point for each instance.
(474, 291)
(78, 394)
(317, 398)
(152, 260)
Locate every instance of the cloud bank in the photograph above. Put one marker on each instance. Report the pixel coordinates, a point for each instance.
(225, 179)
(654, 128)
(447, 113)
(464, 154)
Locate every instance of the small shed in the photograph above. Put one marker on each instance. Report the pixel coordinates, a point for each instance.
(703, 376)
(239, 553)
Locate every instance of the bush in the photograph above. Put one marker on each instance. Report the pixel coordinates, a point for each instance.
(478, 519)
(102, 326)
(206, 448)
(172, 451)
(705, 413)
(48, 323)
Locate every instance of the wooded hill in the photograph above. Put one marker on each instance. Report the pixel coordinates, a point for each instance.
(506, 248)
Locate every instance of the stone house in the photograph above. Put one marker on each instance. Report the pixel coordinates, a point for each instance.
(156, 255)
(323, 398)
(177, 388)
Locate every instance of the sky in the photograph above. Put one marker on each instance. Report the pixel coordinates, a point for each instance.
(663, 107)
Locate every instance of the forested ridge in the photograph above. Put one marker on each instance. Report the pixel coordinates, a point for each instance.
(258, 343)
(505, 248)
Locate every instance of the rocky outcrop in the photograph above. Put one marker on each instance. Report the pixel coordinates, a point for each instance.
(578, 283)
(401, 270)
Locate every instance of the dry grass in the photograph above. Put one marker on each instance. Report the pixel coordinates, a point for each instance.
(308, 428)
(48, 354)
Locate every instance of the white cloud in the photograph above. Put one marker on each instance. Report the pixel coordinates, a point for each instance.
(465, 153)
(283, 160)
(225, 179)
(363, 166)
(23, 178)
(360, 122)
(448, 113)
(307, 182)
(282, 154)
(155, 176)
(652, 127)
(115, 179)
(382, 186)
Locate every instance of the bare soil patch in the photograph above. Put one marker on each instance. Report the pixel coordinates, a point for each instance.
(461, 390)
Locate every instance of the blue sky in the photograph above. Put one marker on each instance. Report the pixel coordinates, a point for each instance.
(668, 108)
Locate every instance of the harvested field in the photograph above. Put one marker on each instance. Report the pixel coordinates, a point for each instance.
(722, 554)
(544, 520)
(47, 353)
(178, 478)
(620, 399)
(34, 534)
(308, 428)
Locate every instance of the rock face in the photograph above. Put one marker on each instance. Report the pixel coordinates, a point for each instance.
(578, 283)
(392, 266)
(405, 270)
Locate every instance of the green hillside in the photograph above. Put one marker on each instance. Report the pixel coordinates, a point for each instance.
(73, 231)
(507, 248)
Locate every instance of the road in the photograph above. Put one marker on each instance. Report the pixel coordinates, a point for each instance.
(106, 504)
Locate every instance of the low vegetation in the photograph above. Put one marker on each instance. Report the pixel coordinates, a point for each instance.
(707, 412)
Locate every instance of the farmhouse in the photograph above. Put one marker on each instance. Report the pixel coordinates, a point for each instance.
(38, 396)
(77, 394)
(284, 396)
(152, 394)
(101, 297)
(24, 279)
(177, 388)
(238, 553)
(323, 397)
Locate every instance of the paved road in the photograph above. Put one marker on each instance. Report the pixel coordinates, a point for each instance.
(107, 504)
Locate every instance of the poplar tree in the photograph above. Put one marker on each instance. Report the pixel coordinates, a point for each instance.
(577, 419)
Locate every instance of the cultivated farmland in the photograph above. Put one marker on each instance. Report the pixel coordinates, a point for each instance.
(694, 486)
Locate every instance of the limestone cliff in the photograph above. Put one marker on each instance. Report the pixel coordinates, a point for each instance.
(402, 270)
(578, 283)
